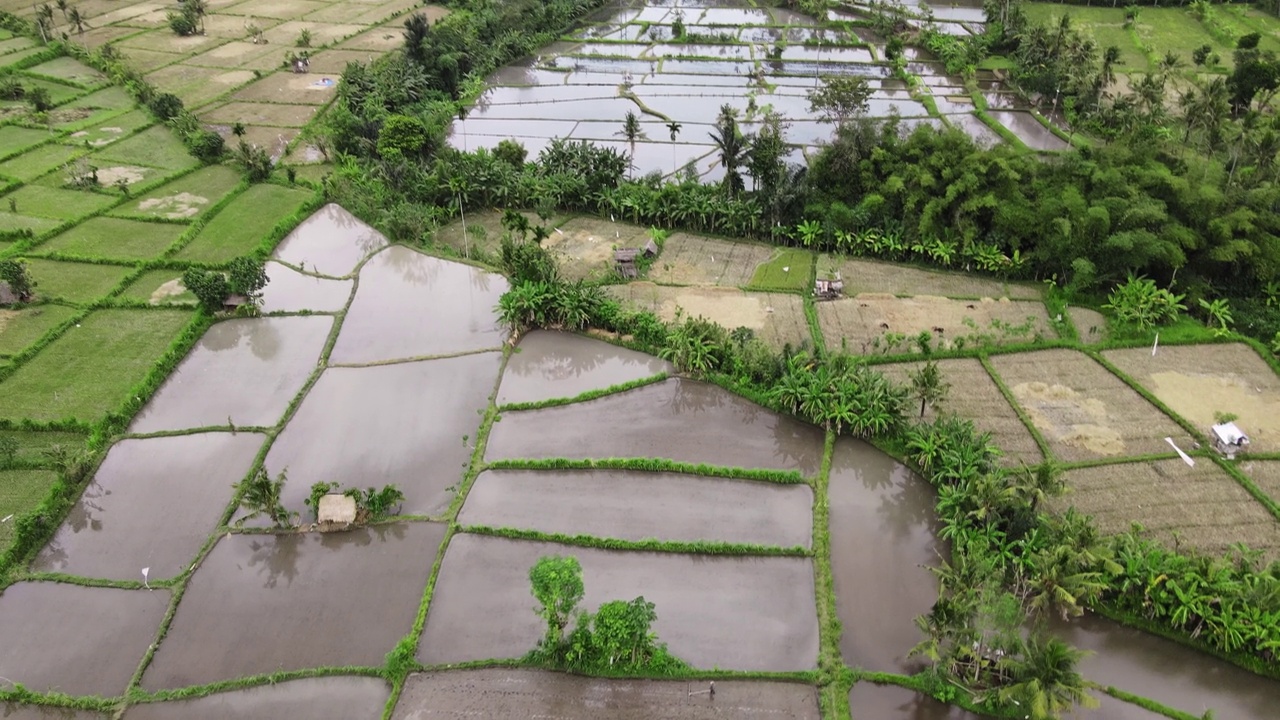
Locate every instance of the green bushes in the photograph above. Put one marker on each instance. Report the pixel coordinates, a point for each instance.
(1138, 302)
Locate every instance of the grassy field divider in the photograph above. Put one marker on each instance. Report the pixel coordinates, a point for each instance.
(20, 358)
(1126, 460)
(584, 397)
(1021, 412)
(971, 351)
(1247, 483)
(20, 694)
(1005, 133)
(1147, 704)
(198, 691)
(781, 477)
(694, 547)
(66, 579)
(833, 701)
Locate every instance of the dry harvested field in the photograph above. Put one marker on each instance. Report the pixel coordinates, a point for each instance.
(1265, 474)
(695, 260)
(583, 247)
(776, 318)
(1197, 381)
(857, 322)
(1083, 410)
(1201, 507)
(975, 396)
(870, 276)
(501, 694)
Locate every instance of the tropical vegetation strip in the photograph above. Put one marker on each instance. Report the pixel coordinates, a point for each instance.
(1020, 556)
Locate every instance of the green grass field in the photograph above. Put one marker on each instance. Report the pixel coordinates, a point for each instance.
(20, 491)
(87, 372)
(33, 444)
(10, 222)
(156, 147)
(14, 139)
(109, 130)
(70, 70)
(243, 223)
(788, 269)
(115, 239)
(57, 203)
(189, 196)
(39, 161)
(74, 282)
(149, 282)
(23, 327)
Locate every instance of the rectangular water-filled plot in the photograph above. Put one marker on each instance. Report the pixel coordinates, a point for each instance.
(1201, 381)
(244, 372)
(152, 503)
(1201, 507)
(76, 640)
(641, 505)
(410, 305)
(73, 281)
(515, 694)
(739, 613)
(1083, 411)
(186, 197)
(115, 238)
(268, 603)
(292, 291)
(330, 242)
(551, 364)
(88, 371)
(318, 697)
(241, 225)
(20, 328)
(679, 420)
(407, 424)
(973, 395)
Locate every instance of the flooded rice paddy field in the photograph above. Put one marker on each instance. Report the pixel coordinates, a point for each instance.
(756, 60)
(408, 406)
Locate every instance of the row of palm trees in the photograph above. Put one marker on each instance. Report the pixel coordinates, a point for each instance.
(75, 19)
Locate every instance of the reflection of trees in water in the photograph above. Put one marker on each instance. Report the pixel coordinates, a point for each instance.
(557, 356)
(909, 508)
(263, 337)
(689, 396)
(414, 269)
(277, 556)
(796, 443)
(82, 515)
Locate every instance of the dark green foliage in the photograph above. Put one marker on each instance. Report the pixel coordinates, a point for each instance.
(206, 145)
(8, 450)
(401, 136)
(165, 106)
(375, 504)
(511, 152)
(188, 19)
(319, 490)
(11, 88)
(928, 387)
(39, 99)
(246, 276)
(1140, 303)
(209, 286)
(261, 495)
(556, 583)
(14, 274)
(254, 161)
(841, 98)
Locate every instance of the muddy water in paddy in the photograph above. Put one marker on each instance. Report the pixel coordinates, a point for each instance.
(883, 533)
(244, 371)
(740, 613)
(265, 603)
(330, 242)
(411, 305)
(678, 419)
(639, 505)
(891, 702)
(1169, 673)
(563, 365)
(1029, 130)
(76, 640)
(401, 424)
(11, 711)
(291, 291)
(151, 504)
(340, 698)
(502, 694)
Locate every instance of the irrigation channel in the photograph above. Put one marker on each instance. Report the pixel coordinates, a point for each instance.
(624, 59)
(384, 365)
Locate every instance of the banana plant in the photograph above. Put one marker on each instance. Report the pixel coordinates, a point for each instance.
(809, 232)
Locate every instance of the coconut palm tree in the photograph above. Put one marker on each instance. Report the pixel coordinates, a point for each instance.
(77, 20)
(1046, 683)
(928, 387)
(732, 147)
(673, 128)
(632, 131)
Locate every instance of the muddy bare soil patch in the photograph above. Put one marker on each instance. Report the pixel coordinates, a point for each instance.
(410, 305)
(583, 247)
(695, 260)
(269, 603)
(401, 424)
(870, 276)
(291, 291)
(640, 505)
(974, 396)
(1197, 381)
(501, 694)
(1083, 411)
(76, 640)
(858, 322)
(1091, 325)
(728, 612)
(151, 504)
(776, 318)
(883, 540)
(1203, 505)
(680, 420)
(329, 697)
(242, 371)
(330, 242)
(563, 365)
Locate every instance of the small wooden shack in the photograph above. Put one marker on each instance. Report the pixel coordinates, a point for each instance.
(335, 512)
(650, 248)
(828, 289)
(233, 302)
(1229, 439)
(624, 261)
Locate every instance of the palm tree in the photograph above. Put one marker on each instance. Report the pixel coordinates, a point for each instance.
(928, 386)
(416, 29)
(732, 146)
(77, 20)
(1046, 683)
(261, 495)
(632, 131)
(200, 8)
(1107, 74)
(458, 185)
(62, 5)
(673, 128)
